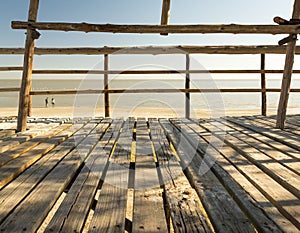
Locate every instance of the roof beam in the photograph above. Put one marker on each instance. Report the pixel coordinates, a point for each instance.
(152, 29)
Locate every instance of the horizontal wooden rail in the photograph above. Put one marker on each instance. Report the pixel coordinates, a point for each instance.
(113, 28)
(158, 71)
(133, 91)
(12, 68)
(118, 91)
(148, 71)
(10, 89)
(227, 49)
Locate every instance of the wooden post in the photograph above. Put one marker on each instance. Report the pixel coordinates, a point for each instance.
(187, 86)
(263, 85)
(287, 74)
(24, 97)
(165, 14)
(106, 94)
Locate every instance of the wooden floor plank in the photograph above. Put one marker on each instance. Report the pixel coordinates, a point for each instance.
(28, 217)
(253, 210)
(282, 199)
(18, 189)
(263, 124)
(250, 184)
(294, 154)
(261, 143)
(272, 123)
(184, 205)
(6, 133)
(275, 134)
(291, 130)
(294, 120)
(224, 213)
(72, 212)
(148, 212)
(16, 166)
(284, 176)
(26, 146)
(7, 118)
(8, 125)
(35, 129)
(110, 211)
(259, 200)
(231, 179)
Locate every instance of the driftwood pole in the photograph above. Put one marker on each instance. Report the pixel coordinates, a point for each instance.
(24, 97)
(263, 85)
(106, 94)
(187, 86)
(287, 74)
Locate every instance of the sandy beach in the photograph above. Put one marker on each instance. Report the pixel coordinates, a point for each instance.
(139, 112)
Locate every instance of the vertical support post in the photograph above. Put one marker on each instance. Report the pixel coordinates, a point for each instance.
(263, 85)
(287, 74)
(24, 97)
(106, 94)
(165, 14)
(187, 86)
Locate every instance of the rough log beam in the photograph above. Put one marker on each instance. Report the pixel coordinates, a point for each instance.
(287, 74)
(259, 49)
(113, 28)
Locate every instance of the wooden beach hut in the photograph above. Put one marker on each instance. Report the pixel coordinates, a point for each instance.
(230, 174)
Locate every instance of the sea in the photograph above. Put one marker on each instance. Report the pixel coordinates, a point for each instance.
(199, 101)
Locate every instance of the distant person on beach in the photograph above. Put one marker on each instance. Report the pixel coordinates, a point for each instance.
(46, 102)
(53, 102)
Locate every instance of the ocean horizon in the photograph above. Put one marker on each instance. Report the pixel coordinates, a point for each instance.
(199, 101)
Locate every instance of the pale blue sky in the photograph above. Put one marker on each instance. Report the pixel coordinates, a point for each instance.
(142, 12)
(137, 12)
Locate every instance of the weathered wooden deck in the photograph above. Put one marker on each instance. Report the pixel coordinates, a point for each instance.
(103, 175)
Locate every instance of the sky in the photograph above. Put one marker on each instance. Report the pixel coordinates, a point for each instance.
(141, 12)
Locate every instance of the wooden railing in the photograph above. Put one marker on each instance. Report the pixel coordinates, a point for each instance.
(187, 90)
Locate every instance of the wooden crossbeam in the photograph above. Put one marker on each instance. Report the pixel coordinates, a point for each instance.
(152, 29)
(287, 74)
(227, 49)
